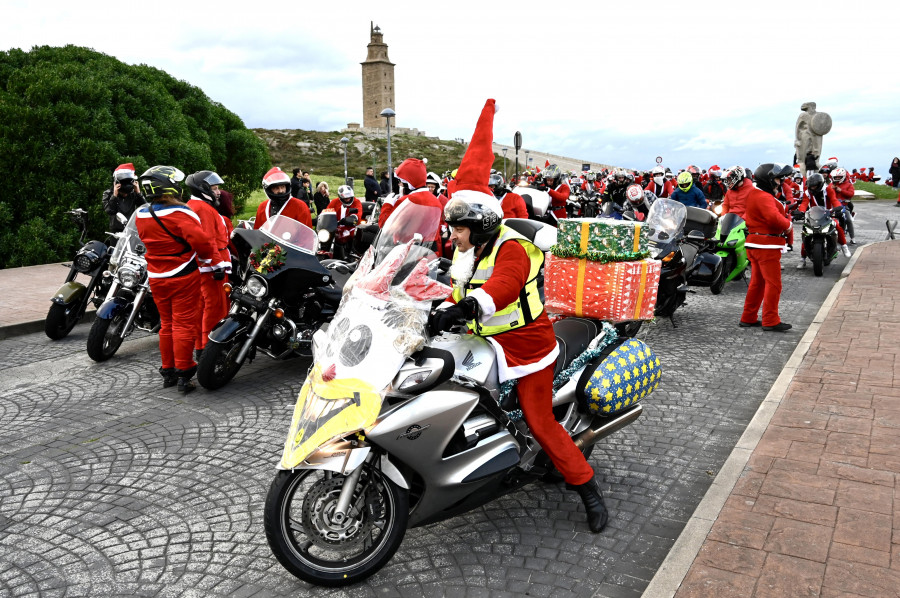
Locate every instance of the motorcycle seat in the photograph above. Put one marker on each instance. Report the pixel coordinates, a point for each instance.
(573, 335)
(542, 235)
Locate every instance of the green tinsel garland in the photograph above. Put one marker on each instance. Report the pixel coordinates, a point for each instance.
(600, 256)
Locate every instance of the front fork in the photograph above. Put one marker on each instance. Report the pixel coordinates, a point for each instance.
(251, 338)
(135, 307)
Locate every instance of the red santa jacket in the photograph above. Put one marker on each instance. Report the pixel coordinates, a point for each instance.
(664, 190)
(558, 198)
(388, 208)
(524, 350)
(844, 191)
(166, 256)
(292, 208)
(735, 201)
(345, 233)
(831, 200)
(766, 220)
(213, 225)
(513, 206)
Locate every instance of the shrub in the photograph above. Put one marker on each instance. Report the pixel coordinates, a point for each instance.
(70, 115)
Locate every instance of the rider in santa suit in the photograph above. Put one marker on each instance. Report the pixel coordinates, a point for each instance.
(513, 204)
(494, 274)
(277, 185)
(346, 230)
(413, 177)
(204, 187)
(558, 190)
(174, 237)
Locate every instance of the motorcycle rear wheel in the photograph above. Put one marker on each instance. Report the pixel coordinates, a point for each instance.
(817, 255)
(718, 285)
(310, 545)
(217, 364)
(61, 319)
(105, 336)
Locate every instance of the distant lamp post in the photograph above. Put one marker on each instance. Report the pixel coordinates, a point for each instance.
(527, 160)
(344, 142)
(387, 113)
(504, 163)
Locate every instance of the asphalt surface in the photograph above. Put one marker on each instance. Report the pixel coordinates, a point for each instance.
(110, 485)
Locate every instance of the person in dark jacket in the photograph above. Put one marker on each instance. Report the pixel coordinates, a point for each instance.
(296, 183)
(321, 198)
(385, 184)
(123, 198)
(894, 170)
(373, 190)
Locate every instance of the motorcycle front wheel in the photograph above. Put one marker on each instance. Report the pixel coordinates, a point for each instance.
(105, 336)
(817, 255)
(61, 319)
(309, 543)
(218, 364)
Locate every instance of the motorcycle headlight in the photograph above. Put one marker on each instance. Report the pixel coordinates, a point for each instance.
(128, 277)
(257, 286)
(827, 228)
(415, 379)
(324, 236)
(86, 262)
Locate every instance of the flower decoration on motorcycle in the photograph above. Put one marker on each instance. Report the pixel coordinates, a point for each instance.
(268, 258)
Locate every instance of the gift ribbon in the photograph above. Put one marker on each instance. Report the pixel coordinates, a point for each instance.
(582, 266)
(640, 297)
(637, 237)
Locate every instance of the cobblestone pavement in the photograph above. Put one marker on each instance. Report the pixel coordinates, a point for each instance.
(110, 485)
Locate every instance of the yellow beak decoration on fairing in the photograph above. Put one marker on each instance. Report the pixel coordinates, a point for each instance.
(327, 410)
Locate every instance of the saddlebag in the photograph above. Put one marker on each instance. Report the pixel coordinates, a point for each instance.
(623, 374)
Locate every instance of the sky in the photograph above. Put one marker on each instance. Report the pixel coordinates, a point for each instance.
(616, 83)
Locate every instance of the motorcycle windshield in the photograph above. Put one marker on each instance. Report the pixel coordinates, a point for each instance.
(292, 233)
(728, 223)
(665, 219)
(380, 322)
(128, 240)
(817, 216)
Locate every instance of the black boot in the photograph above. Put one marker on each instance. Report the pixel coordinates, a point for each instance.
(198, 354)
(592, 497)
(169, 377)
(184, 380)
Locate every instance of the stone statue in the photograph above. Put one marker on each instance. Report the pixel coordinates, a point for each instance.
(810, 128)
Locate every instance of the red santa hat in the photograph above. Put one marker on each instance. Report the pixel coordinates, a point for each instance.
(475, 168)
(831, 160)
(124, 171)
(413, 172)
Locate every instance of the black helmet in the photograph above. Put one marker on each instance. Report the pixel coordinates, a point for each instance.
(496, 185)
(481, 219)
(162, 180)
(200, 183)
(766, 174)
(552, 172)
(815, 182)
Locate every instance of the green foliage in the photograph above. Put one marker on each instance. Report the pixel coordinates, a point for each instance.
(879, 190)
(70, 115)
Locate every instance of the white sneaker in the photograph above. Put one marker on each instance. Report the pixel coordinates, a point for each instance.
(802, 264)
(845, 250)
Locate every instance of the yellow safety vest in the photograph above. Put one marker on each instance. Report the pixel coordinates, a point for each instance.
(525, 308)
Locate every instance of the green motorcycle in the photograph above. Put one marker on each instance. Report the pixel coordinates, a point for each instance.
(731, 235)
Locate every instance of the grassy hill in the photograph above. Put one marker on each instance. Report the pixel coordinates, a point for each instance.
(322, 154)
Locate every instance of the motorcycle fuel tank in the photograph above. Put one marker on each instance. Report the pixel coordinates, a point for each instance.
(474, 357)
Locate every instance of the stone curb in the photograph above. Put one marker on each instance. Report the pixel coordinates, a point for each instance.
(20, 328)
(675, 567)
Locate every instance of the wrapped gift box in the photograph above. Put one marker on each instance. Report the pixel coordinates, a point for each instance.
(627, 375)
(612, 291)
(602, 239)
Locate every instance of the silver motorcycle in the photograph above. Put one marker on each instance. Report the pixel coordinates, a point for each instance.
(395, 429)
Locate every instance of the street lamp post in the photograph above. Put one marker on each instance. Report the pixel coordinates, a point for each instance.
(527, 160)
(504, 163)
(387, 113)
(344, 142)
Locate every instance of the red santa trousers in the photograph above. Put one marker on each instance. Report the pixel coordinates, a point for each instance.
(536, 399)
(177, 299)
(765, 286)
(214, 307)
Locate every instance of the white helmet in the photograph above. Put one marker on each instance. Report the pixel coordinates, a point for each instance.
(345, 193)
(659, 175)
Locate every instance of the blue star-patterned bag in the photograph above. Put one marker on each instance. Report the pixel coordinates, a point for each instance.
(627, 374)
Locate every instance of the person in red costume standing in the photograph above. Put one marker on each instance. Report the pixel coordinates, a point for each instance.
(495, 292)
(346, 229)
(277, 185)
(767, 227)
(558, 190)
(512, 203)
(659, 185)
(174, 237)
(204, 187)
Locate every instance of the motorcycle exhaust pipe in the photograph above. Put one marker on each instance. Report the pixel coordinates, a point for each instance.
(592, 435)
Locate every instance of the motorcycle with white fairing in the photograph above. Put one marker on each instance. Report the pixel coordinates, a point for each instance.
(394, 428)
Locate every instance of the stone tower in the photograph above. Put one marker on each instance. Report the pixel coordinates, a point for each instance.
(377, 81)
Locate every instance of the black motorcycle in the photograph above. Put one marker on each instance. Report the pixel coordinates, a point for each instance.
(129, 304)
(819, 238)
(705, 266)
(285, 295)
(665, 225)
(70, 302)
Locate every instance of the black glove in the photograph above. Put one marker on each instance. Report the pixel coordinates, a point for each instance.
(345, 222)
(218, 273)
(454, 315)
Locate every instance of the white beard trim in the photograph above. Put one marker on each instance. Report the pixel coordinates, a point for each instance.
(462, 268)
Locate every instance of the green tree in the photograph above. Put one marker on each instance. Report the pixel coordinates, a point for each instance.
(70, 115)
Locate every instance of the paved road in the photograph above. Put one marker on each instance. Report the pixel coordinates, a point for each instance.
(110, 485)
